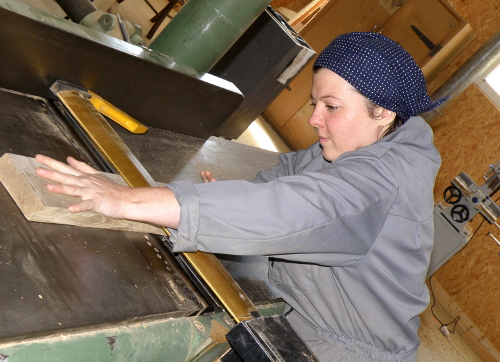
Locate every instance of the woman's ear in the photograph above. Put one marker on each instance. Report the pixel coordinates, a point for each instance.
(386, 117)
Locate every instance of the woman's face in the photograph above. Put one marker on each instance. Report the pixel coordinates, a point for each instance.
(340, 116)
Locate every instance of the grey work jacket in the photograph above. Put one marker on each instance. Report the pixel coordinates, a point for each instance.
(350, 240)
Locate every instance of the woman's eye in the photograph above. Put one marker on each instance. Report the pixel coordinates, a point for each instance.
(331, 108)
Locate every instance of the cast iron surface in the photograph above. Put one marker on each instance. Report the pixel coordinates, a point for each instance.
(63, 276)
(171, 157)
(56, 277)
(38, 48)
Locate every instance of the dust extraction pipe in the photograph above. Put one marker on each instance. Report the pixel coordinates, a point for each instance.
(203, 30)
(466, 74)
(76, 9)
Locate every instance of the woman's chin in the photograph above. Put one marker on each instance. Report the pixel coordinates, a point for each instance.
(329, 156)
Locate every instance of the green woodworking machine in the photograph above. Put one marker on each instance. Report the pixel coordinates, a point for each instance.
(83, 294)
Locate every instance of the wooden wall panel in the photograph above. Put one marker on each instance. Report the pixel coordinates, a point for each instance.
(297, 131)
(467, 136)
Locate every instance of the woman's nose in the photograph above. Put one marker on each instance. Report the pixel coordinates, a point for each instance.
(315, 119)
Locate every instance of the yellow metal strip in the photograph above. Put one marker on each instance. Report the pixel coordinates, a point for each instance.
(116, 152)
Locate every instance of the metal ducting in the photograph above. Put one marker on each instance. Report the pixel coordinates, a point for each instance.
(203, 30)
(466, 74)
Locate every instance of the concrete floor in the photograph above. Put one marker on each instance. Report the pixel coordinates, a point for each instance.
(434, 347)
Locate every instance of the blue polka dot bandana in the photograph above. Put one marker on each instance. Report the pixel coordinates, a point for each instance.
(381, 70)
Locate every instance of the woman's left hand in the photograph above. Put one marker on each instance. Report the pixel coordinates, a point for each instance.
(207, 176)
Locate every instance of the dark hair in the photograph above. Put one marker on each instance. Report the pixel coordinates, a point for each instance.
(372, 112)
(372, 108)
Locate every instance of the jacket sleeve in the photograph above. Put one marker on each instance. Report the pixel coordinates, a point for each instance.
(329, 217)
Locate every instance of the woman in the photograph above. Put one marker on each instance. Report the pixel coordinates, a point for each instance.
(347, 222)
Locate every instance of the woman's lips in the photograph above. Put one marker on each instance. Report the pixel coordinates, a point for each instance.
(323, 139)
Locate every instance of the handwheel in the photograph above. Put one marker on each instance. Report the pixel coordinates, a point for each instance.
(460, 213)
(452, 194)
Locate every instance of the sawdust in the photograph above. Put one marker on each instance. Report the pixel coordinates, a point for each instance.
(218, 332)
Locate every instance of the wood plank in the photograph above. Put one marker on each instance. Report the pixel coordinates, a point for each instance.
(476, 344)
(307, 12)
(29, 191)
(295, 5)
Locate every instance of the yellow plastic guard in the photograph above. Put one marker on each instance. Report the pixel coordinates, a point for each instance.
(115, 114)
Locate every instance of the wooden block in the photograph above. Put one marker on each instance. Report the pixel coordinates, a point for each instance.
(29, 191)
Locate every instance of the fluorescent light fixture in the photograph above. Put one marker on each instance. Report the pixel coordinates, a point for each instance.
(261, 137)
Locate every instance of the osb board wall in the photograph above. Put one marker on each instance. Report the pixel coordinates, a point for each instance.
(467, 136)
